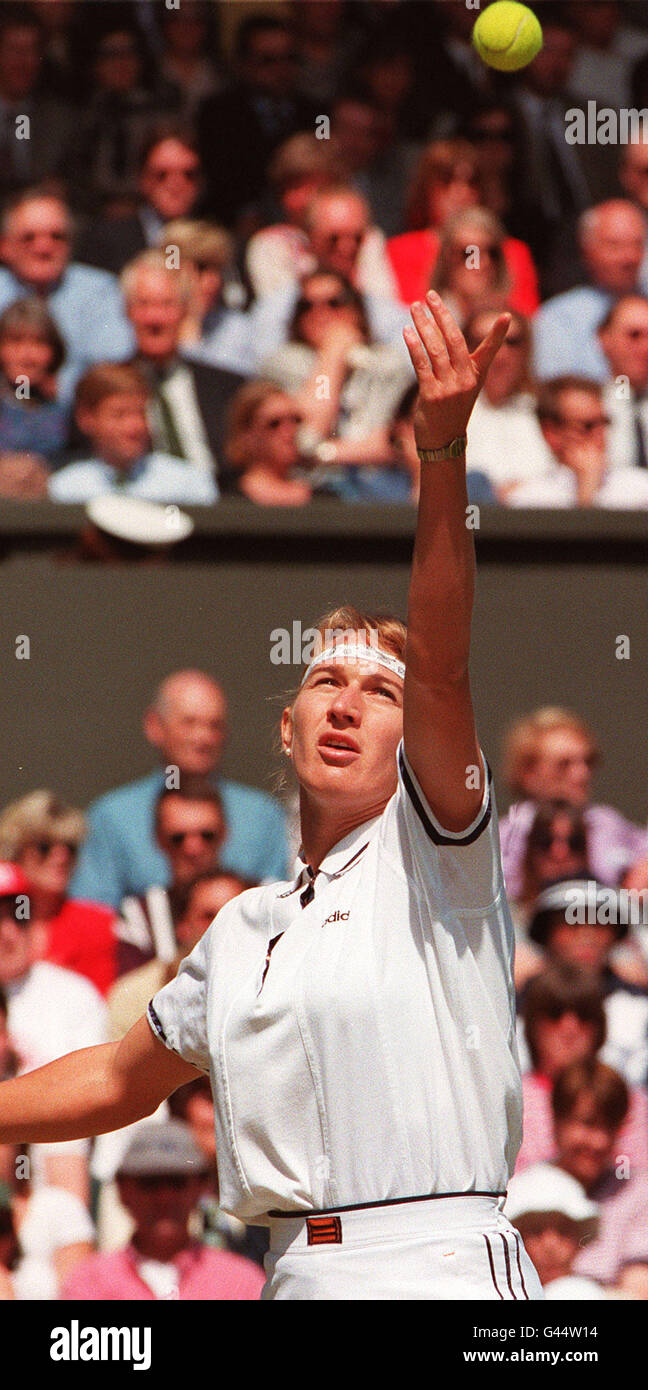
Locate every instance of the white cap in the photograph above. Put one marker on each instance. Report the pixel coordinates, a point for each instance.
(143, 523)
(546, 1188)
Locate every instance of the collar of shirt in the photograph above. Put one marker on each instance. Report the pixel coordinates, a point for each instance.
(340, 856)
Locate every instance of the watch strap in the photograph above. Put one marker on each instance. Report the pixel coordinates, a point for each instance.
(454, 450)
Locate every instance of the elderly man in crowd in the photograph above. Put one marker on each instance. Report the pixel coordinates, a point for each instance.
(189, 397)
(339, 228)
(86, 304)
(169, 183)
(573, 421)
(186, 723)
(613, 242)
(161, 1178)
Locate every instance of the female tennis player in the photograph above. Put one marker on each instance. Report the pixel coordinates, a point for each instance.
(357, 1023)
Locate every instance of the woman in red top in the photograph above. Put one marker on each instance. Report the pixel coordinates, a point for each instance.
(448, 180)
(42, 835)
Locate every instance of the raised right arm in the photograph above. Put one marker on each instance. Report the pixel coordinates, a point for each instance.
(94, 1091)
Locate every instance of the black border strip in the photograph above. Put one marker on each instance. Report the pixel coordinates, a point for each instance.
(519, 1265)
(388, 1202)
(507, 1261)
(429, 828)
(156, 1024)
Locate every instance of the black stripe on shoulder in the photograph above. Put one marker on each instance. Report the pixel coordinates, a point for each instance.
(156, 1025)
(427, 824)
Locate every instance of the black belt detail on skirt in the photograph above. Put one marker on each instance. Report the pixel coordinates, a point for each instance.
(388, 1202)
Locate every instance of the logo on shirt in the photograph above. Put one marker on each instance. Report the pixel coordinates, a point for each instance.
(337, 916)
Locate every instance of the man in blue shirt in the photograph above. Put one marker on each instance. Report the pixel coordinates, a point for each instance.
(111, 410)
(613, 240)
(186, 723)
(86, 304)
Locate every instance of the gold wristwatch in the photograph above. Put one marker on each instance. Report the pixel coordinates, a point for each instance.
(453, 450)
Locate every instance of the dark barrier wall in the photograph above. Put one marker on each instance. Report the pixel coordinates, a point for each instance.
(556, 592)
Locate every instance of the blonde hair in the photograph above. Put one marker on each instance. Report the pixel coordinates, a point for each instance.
(38, 816)
(485, 221)
(392, 635)
(241, 415)
(523, 740)
(199, 241)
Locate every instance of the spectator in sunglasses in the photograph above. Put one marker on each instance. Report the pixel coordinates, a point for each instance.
(196, 906)
(580, 922)
(573, 421)
(471, 270)
(161, 1178)
(330, 335)
(564, 1022)
(449, 181)
(85, 303)
(190, 830)
(343, 241)
(51, 1010)
(505, 440)
(556, 847)
(263, 449)
(42, 835)
(552, 754)
(169, 185)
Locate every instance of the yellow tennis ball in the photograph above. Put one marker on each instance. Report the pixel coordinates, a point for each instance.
(507, 36)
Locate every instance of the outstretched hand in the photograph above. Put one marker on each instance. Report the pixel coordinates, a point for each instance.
(449, 376)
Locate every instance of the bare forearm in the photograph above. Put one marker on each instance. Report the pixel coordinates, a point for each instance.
(443, 576)
(77, 1096)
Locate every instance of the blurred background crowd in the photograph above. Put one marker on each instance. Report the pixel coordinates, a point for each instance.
(214, 217)
(211, 228)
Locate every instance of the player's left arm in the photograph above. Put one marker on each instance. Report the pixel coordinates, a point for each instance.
(439, 733)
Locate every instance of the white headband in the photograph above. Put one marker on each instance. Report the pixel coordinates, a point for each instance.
(357, 651)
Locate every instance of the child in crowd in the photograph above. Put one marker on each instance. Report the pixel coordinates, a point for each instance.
(111, 410)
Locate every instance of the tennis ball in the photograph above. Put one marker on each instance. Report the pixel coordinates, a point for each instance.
(507, 36)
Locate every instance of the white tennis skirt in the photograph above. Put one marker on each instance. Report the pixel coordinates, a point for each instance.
(453, 1248)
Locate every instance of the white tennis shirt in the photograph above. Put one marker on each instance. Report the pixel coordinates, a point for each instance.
(361, 1047)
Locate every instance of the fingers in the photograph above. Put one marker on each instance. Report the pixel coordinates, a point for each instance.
(433, 341)
(454, 340)
(490, 345)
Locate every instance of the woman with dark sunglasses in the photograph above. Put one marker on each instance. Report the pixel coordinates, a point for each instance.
(330, 340)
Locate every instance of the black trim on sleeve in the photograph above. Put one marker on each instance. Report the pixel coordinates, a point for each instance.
(155, 1022)
(427, 824)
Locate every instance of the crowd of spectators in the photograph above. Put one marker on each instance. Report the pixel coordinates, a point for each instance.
(208, 244)
(97, 910)
(197, 207)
